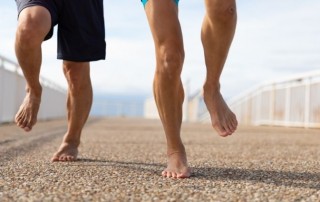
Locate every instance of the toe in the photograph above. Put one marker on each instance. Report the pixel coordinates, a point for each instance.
(185, 174)
(174, 175)
(22, 123)
(223, 129)
(164, 173)
(70, 158)
(62, 158)
(224, 133)
(17, 119)
(27, 129)
(230, 129)
(55, 158)
(169, 174)
(219, 129)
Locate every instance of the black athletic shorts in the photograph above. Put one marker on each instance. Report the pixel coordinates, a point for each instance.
(81, 33)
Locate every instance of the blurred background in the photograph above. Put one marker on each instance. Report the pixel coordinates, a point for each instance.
(271, 76)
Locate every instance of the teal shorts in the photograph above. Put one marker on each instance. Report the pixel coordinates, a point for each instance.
(145, 1)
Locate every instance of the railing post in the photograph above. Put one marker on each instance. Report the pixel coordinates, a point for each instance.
(271, 104)
(307, 103)
(287, 105)
(259, 106)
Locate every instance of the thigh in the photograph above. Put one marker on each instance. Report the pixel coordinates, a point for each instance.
(164, 23)
(81, 34)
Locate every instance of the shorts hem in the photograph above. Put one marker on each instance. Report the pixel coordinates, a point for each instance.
(74, 59)
(20, 9)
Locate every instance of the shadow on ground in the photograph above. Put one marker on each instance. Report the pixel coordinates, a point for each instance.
(306, 180)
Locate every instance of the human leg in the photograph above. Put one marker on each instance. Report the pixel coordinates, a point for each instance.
(217, 33)
(33, 25)
(168, 90)
(78, 46)
(79, 103)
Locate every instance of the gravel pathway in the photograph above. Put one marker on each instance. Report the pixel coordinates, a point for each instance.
(121, 160)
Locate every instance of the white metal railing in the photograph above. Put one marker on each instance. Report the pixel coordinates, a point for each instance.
(12, 92)
(294, 102)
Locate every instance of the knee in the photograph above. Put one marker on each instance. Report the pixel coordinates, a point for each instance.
(77, 75)
(223, 11)
(170, 61)
(27, 34)
(33, 27)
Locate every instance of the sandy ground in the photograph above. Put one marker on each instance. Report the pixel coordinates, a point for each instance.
(122, 159)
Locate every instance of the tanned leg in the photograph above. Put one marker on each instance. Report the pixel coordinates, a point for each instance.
(79, 103)
(168, 91)
(217, 33)
(33, 25)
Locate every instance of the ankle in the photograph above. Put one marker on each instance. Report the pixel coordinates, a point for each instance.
(35, 93)
(71, 142)
(211, 88)
(176, 150)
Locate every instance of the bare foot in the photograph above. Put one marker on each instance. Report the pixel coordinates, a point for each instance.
(223, 119)
(26, 117)
(66, 152)
(177, 166)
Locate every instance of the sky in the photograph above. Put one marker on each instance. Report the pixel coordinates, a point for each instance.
(273, 40)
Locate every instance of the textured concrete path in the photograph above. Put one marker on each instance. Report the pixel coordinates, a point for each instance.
(121, 160)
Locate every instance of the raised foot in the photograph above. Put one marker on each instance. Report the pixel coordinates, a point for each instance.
(223, 120)
(26, 117)
(177, 166)
(66, 152)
